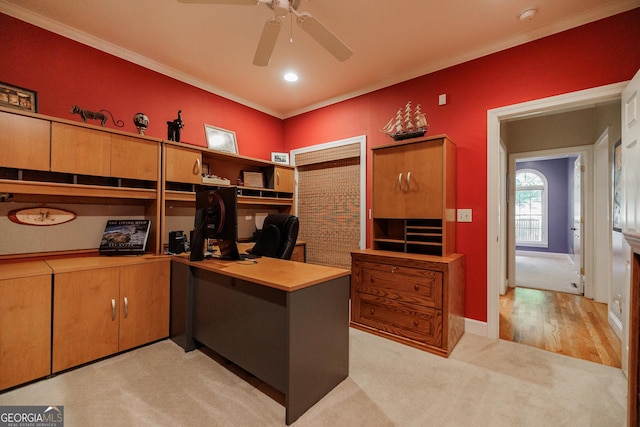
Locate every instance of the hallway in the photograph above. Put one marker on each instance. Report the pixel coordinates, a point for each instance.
(561, 323)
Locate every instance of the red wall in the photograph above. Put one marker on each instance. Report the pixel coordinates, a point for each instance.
(66, 73)
(604, 52)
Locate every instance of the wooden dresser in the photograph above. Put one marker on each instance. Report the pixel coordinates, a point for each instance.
(414, 299)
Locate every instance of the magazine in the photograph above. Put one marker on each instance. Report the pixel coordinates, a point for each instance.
(125, 237)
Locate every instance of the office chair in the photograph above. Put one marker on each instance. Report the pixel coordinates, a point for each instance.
(278, 237)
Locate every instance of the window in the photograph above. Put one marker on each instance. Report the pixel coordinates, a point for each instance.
(531, 208)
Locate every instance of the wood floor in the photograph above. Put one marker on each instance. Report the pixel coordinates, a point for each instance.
(559, 322)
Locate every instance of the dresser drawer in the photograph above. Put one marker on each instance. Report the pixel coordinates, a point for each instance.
(411, 285)
(410, 321)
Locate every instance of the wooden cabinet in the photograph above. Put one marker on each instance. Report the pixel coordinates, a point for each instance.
(414, 299)
(86, 151)
(25, 322)
(80, 150)
(183, 164)
(299, 252)
(102, 307)
(283, 179)
(24, 141)
(414, 198)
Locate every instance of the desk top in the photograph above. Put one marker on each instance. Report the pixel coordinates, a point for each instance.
(276, 273)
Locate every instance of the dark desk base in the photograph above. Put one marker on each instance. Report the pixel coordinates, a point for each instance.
(297, 342)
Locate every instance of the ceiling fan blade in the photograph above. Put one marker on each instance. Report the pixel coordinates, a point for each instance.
(240, 2)
(267, 42)
(326, 38)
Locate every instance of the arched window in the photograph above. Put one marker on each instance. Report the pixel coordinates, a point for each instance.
(531, 208)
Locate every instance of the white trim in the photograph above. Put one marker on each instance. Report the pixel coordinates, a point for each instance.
(615, 323)
(475, 327)
(494, 116)
(362, 140)
(554, 255)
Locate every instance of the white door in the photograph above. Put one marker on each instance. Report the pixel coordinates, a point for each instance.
(631, 183)
(578, 223)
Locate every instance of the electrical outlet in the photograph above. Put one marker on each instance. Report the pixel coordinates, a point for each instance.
(464, 215)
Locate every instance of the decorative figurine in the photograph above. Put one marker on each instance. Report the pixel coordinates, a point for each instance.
(173, 128)
(141, 121)
(86, 114)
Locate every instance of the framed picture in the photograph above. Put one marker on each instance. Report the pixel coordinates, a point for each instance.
(221, 139)
(18, 97)
(617, 190)
(280, 157)
(253, 179)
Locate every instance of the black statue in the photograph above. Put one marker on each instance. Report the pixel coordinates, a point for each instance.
(173, 128)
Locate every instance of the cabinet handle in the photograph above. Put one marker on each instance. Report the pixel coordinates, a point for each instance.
(126, 307)
(196, 168)
(416, 287)
(408, 180)
(416, 323)
(372, 311)
(113, 309)
(393, 269)
(278, 178)
(372, 279)
(400, 181)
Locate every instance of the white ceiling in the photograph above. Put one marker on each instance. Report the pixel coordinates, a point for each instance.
(212, 46)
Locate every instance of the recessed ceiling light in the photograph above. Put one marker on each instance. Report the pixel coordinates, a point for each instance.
(528, 14)
(291, 77)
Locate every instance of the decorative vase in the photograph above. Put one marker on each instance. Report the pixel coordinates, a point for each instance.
(141, 121)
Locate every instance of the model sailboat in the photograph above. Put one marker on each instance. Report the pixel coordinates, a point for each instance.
(406, 124)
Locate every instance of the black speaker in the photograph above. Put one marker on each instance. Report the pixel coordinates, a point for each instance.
(177, 242)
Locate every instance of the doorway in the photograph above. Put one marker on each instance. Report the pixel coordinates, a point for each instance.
(496, 240)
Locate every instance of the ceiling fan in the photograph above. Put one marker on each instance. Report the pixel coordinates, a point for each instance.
(271, 29)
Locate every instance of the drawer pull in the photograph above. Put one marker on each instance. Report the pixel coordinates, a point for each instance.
(400, 181)
(197, 169)
(393, 269)
(372, 311)
(372, 279)
(126, 307)
(113, 309)
(416, 287)
(416, 323)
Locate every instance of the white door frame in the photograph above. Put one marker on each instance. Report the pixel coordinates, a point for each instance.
(494, 204)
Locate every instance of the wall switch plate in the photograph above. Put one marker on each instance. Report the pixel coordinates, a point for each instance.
(442, 99)
(464, 215)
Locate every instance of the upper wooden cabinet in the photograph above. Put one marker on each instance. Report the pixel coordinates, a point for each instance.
(414, 199)
(80, 150)
(86, 151)
(283, 179)
(183, 164)
(24, 142)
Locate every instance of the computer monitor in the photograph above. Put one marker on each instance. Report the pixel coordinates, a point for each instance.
(216, 218)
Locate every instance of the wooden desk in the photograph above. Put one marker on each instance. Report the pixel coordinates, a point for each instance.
(285, 322)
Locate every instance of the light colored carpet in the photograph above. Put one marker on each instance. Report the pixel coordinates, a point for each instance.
(484, 383)
(546, 271)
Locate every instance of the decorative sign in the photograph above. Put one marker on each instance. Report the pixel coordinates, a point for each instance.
(41, 216)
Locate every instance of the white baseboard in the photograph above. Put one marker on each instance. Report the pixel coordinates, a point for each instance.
(556, 255)
(614, 323)
(476, 327)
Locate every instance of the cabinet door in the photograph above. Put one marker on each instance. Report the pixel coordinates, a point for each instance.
(183, 165)
(284, 179)
(408, 181)
(24, 141)
(389, 173)
(80, 150)
(144, 299)
(85, 316)
(25, 329)
(134, 158)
